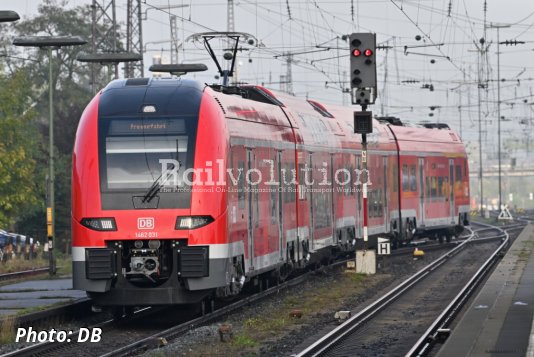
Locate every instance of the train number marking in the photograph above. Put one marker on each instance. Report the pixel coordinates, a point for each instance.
(146, 234)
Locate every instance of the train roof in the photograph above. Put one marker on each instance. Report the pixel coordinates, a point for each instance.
(403, 130)
(125, 97)
(249, 102)
(332, 125)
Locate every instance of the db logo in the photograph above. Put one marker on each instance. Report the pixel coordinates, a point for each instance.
(145, 223)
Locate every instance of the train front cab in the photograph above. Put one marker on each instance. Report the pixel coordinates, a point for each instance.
(136, 242)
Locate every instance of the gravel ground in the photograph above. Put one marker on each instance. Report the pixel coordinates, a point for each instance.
(57, 323)
(396, 328)
(266, 329)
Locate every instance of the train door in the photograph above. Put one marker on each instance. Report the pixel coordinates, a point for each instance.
(280, 206)
(333, 196)
(311, 240)
(385, 194)
(421, 191)
(250, 204)
(451, 187)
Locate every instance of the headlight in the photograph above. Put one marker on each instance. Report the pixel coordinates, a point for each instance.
(100, 224)
(192, 222)
(154, 244)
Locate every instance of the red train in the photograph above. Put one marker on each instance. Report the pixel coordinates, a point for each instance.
(183, 192)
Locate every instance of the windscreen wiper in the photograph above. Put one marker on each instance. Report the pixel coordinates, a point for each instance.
(156, 186)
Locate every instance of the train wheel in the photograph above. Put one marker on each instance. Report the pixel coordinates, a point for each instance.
(440, 238)
(203, 307)
(284, 272)
(263, 283)
(121, 312)
(129, 311)
(207, 305)
(394, 240)
(117, 312)
(448, 237)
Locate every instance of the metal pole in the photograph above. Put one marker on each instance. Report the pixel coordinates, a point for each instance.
(460, 107)
(93, 46)
(365, 211)
(51, 214)
(114, 29)
(480, 138)
(139, 17)
(499, 116)
(498, 27)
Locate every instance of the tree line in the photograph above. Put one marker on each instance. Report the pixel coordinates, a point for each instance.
(24, 117)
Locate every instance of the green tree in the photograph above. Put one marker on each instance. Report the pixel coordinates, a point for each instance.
(19, 179)
(71, 82)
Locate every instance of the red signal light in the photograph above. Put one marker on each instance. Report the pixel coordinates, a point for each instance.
(368, 53)
(356, 53)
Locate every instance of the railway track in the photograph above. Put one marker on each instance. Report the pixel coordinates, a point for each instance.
(366, 324)
(22, 274)
(143, 338)
(440, 327)
(139, 338)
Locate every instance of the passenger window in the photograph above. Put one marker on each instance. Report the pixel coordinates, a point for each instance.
(274, 195)
(413, 181)
(302, 181)
(241, 184)
(405, 178)
(458, 173)
(395, 178)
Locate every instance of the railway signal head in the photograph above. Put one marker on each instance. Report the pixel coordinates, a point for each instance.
(363, 122)
(363, 60)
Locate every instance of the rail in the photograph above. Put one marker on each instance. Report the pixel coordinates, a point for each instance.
(20, 274)
(336, 335)
(147, 342)
(439, 326)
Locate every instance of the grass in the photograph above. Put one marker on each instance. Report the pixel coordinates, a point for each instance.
(8, 324)
(7, 330)
(525, 251)
(523, 255)
(243, 341)
(20, 291)
(18, 264)
(63, 264)
(30, 310)
(268, 325)
(358, 277)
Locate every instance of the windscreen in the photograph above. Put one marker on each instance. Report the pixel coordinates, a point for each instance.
(138, 154)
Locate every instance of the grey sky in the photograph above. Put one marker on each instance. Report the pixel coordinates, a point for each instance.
(396, 23)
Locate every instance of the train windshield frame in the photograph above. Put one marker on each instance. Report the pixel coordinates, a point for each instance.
(136, 152)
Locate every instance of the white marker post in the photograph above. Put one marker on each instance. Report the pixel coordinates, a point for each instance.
(366, 258)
